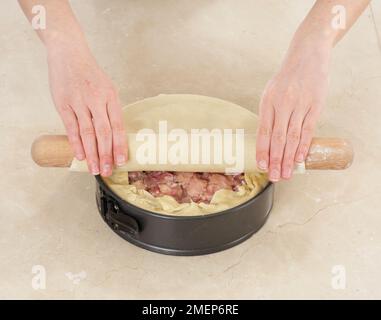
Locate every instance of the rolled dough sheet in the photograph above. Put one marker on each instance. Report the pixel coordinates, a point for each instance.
(187, 112)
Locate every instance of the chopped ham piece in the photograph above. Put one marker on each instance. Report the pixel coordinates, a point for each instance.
(185, 186)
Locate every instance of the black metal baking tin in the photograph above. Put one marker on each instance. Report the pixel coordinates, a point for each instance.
(183, 235)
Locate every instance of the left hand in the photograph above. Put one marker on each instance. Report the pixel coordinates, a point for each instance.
(290, 108)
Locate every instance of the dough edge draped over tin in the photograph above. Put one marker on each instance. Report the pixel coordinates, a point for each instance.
(222, 199)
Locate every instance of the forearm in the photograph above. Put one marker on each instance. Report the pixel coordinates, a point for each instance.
(317, 34)
(318, 27)
(62, 28)
(294, 97)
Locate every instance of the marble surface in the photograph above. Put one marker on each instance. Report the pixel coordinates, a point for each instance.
(321, 222)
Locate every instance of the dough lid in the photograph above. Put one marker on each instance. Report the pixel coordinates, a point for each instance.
(187, 112)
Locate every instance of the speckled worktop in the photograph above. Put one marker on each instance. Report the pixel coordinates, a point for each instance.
(321, 222)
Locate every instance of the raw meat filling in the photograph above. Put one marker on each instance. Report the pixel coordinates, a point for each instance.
(185, 186)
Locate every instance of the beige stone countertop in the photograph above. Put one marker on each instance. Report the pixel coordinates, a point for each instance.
(321, 222)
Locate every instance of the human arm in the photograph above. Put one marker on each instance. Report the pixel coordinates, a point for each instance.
(82, 93)
(293, 99)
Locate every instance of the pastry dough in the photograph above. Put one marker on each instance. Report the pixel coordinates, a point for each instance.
(186, 112)
(222, 199)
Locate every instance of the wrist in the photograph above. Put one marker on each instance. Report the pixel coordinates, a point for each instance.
(56, 42)
(316, 32)
(307, 54)
(310, 45)
(320, 42)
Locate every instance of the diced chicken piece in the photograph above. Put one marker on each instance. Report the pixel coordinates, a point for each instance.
(183, 177)
(196, 188)
(185, 186)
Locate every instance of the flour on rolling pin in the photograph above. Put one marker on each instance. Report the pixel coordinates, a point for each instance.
(300, 168)
(320, 152)
(332, 153)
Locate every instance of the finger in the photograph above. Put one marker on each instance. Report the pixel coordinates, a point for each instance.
(104, 138)
(277, 144)
(119, 142)
(292, 143)
(71, 125)
(306, 135)
(264, 132)
(89, 142)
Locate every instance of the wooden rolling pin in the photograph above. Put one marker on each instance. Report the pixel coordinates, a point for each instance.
(324, 153)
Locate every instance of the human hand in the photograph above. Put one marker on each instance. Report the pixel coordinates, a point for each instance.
(289, 109)
(89, 107)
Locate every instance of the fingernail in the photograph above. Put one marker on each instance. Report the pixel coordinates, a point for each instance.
(299, 157)
(80, 156)
(120, 160)
(262, 165)
(94, 169)
(274, 175)
(287, 173)
(106, 169)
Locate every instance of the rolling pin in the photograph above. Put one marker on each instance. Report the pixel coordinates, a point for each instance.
(324, 153)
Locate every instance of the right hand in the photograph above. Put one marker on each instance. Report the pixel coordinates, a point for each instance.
(290, 108)
(89, 107)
